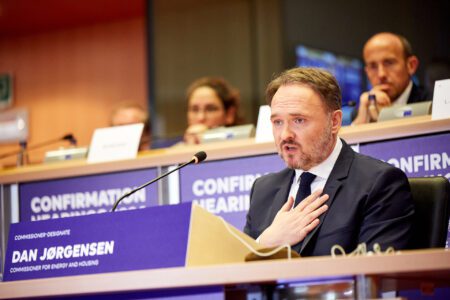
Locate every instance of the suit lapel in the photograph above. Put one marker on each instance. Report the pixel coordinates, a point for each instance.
(281, 196)
(333, 184)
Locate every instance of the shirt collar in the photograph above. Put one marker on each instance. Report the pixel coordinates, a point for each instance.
(403, 99)
(323, 170)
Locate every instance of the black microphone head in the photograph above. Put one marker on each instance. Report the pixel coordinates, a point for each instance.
(199, 157)
(69, 137)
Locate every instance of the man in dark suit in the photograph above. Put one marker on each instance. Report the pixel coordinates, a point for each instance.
(355, 198)
(390, 65)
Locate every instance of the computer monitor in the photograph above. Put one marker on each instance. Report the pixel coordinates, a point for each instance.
(347, 70)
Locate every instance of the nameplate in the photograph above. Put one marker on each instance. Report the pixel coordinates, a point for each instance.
(110, 242)
(115, 143)
(264, 125)
(441, 100)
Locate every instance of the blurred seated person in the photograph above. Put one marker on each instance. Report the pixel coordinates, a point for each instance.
(212, 102)
(389, 65)
(132, 113)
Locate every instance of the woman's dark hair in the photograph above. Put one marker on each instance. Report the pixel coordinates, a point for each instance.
(227, 94)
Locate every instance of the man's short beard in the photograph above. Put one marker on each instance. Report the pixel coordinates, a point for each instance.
(321, 149)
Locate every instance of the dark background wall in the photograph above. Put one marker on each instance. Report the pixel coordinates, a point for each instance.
(238, 40)
(246, 41)
(344, 26)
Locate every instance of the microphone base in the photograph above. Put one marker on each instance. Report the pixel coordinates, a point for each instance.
(66, 154)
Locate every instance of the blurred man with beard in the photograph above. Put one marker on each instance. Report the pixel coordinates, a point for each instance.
(390, 65)
(354, 198)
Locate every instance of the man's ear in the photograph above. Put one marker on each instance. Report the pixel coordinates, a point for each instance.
(336, 121)
(412, 63)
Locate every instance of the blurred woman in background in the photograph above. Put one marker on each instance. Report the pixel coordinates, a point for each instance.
(212, 102)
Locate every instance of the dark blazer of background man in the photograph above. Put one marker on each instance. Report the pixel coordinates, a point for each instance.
(363, 199)
(389, 65)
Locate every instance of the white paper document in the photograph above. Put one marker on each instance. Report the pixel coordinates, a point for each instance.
(115, 143)
(264, 126)
(441, 100)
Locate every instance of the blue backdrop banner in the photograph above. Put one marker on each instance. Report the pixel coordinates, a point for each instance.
(417, 156)
(223, 187)
(85, 195)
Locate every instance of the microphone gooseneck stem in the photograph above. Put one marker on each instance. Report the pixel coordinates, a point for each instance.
(150, 182)
(24, 145)
(46, 143)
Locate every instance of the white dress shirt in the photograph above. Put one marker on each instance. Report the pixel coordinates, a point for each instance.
(403, 99)
(322, 171)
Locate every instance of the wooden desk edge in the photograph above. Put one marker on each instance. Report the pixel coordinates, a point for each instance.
(418, 264)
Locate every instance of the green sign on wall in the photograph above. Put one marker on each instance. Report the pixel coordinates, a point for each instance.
(5, 90)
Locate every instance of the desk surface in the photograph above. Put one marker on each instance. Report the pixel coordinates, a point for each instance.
(392, 271)
(220, 150)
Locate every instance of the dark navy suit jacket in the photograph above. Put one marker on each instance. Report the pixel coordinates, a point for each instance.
(370, 201)
(418, 94)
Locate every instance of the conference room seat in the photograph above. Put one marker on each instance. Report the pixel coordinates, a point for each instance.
(431, 197)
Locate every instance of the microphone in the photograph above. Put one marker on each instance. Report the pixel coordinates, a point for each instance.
(196, 159)
(70, 137)
(25, 147)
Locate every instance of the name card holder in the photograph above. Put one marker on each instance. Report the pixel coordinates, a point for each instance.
(156, 237)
